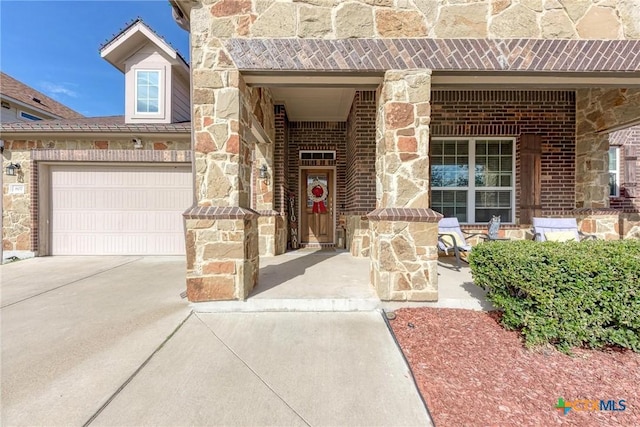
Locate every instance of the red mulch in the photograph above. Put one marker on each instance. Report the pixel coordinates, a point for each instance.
(472, 372)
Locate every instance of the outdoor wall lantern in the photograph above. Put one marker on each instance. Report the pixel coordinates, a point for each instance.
(12, 168)
(263, 172)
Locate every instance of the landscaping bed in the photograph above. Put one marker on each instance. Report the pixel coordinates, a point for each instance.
(473, 372)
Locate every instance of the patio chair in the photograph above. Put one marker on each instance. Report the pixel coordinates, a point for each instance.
(558, 230)
(452, 238)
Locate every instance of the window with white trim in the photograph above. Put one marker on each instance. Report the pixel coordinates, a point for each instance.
(147, 91)
(473, 178)
(614, 171)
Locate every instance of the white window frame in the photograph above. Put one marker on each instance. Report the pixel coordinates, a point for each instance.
(21, 114)
(160, 92)
(471, 187)
(616, 151)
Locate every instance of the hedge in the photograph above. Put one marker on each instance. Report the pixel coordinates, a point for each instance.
(568, 294)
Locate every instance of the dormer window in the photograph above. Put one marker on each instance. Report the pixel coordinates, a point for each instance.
(147, 91)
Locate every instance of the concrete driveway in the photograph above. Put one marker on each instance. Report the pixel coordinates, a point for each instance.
(74, 329)
(109, 341)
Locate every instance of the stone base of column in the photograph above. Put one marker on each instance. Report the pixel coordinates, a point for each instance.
(602, 223)
(272, 231)
(358, 235)
(222, 253)
(630, 225)
(404, 254)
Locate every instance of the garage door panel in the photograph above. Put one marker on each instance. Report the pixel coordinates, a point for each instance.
(113, 210)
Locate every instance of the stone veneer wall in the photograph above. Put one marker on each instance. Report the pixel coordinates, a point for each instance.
(596, 111)
(597, 19)
(20, 211)
(550, 114)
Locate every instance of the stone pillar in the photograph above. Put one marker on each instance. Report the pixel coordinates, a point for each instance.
(592, 171)
(404, 230)
(221, 229)
(599, 110)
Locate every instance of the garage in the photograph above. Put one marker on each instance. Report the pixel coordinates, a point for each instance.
(119, 210)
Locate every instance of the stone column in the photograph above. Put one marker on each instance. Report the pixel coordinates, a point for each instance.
(404, 230)
(221, 229)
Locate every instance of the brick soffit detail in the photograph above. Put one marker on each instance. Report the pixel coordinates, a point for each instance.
(377, 55)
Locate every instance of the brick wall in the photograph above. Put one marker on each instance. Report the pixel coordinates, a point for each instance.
(629, 137)
(280, 159)
(550, 114)
(361, 154)
(318, 136)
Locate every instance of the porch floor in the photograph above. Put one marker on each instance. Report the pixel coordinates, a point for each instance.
(314, 273)
(333, 280)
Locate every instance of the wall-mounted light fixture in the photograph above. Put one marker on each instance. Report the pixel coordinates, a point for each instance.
(12, 168)
(137, 143)
(263, 172)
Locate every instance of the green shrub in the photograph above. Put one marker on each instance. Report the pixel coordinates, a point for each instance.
(567, 294)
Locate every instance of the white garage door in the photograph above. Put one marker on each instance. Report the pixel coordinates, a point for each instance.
(119, 210)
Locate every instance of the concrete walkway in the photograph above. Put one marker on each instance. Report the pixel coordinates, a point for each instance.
(276, 369)
(108, 341)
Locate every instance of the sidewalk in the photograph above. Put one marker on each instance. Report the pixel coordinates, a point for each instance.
(282, 369)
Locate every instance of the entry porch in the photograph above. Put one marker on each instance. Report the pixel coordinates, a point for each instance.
(333, 280)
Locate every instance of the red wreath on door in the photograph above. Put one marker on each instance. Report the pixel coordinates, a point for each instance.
(317, 193)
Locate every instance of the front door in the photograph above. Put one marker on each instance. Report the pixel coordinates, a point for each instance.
(316, 225)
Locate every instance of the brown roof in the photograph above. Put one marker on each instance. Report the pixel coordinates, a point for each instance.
(94, 124)
(14, 89)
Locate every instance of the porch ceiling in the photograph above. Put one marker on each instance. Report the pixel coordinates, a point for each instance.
(317, 96)
(315, 103)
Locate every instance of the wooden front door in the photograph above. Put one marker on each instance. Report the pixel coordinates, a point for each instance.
(316, 210)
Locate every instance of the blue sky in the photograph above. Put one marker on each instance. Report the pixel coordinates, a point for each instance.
(52, 46)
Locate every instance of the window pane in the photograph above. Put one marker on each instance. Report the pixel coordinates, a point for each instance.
(613, 158)
(494, 164)
(449, 164)
(153, 77)
(613, 185)
(148, 91)
(450, 203)
(489, 203)
(484, 215)
(153, 106)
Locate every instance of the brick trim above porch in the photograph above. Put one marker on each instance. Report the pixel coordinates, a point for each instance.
(378, 55)
(216, 212)
(405, 214)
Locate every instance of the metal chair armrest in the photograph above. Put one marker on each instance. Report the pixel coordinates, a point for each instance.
(453, 239)
(584, 236)
(482, 235)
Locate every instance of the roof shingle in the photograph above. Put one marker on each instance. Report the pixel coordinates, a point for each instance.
(94, 124)
(15, 89)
